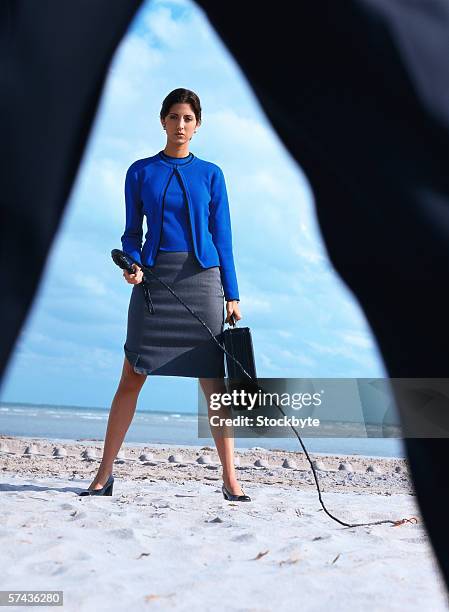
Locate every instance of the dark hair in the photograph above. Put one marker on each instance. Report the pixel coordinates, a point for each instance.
(181, 96)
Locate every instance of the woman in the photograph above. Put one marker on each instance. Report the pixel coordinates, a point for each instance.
(189, 246)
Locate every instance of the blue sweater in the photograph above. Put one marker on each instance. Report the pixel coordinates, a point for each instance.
(209, 234)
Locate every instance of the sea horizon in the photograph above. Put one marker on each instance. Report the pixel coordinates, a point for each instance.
(175, 427)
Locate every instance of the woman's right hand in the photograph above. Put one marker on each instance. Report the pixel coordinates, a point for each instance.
(136, 278)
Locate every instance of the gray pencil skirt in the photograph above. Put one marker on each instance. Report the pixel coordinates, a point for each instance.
(172, 342)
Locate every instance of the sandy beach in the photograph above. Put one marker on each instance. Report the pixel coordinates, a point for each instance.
(167, 539)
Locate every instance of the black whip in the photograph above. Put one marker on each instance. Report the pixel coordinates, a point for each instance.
(125, 261)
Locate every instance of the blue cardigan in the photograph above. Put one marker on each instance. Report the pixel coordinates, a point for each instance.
(208, 210)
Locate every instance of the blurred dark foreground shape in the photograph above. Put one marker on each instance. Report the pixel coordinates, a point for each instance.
(358, 92)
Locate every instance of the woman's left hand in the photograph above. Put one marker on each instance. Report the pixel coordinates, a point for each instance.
(232, 308)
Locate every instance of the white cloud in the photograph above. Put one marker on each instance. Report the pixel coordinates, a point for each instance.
(268, 363)
(347, 351)
(255, 304)
(356, 338)
(164, 29)
(296, 357)
(91, 284)
(285, 334)
(133, 62)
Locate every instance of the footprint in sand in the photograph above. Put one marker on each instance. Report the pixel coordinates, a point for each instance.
(123, 533)
(51, 568)
(244, 537)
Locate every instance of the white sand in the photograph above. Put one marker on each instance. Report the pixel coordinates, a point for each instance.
(167, 540)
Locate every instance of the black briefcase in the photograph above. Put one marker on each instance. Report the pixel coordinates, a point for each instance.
(238, 342)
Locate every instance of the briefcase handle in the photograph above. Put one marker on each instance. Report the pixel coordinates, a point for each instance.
(232, 321)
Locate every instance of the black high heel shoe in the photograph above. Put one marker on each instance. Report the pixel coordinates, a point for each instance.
(106, 489)
(231, 497)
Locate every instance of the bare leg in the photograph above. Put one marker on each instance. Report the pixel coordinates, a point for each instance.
(223, 438)
(120, 416)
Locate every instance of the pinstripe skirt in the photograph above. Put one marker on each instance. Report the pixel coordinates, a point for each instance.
(172, 342)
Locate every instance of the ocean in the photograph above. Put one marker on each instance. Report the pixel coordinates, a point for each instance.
(163, 427)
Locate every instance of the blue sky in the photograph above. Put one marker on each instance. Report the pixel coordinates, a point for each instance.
(304, 320)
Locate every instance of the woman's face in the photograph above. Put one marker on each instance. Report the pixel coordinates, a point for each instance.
(180, 123)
